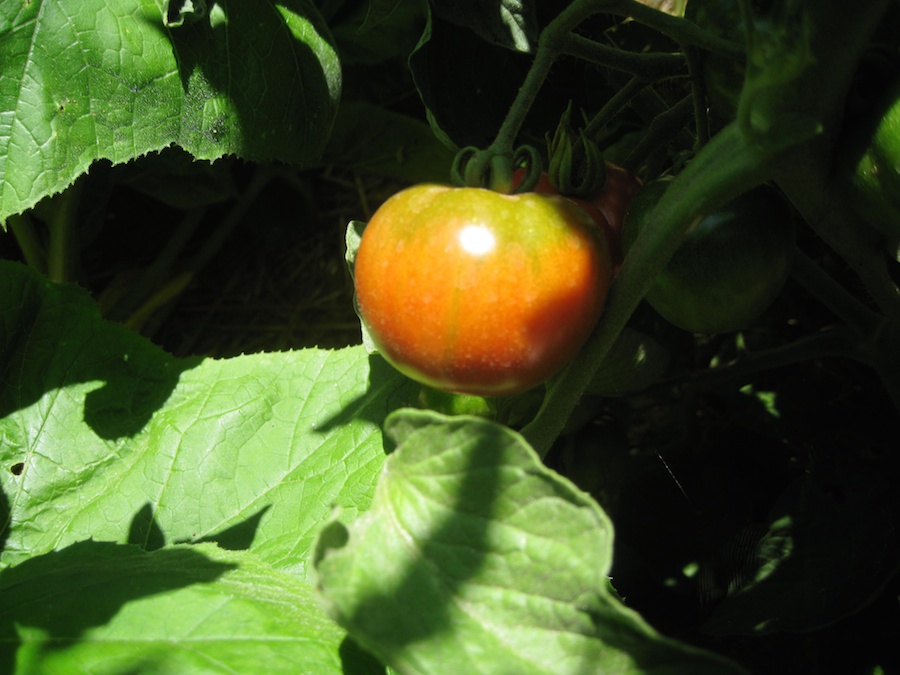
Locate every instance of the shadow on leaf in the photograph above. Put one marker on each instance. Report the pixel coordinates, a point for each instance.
(54, 338)
(144, 532)
(238, 537)
(473, 552)
(386, 392)
(222, 107)
(459, 541)
(56, 597)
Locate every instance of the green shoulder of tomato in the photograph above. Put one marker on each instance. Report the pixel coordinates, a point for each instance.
(731, 265)
(606, 207)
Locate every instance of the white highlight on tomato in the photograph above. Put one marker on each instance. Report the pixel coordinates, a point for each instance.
(477, 239)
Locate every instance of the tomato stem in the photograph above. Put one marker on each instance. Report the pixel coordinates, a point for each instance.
(863, 321)
(831, 217)
(681, 30)
(698, 96)
(472, 166)
(840, 341)
(557, 38)
(614, 106)
(660, 130)
(23, 229)
(63, 217)
(537, 74)
(649, 67)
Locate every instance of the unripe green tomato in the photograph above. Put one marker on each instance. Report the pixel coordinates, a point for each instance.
(868, 163)
(476, 292)
(730, 266)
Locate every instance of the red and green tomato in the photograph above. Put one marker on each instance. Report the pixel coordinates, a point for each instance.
(476, 292)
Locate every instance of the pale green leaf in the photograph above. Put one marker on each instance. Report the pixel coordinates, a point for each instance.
(476, 558)
(104, 436)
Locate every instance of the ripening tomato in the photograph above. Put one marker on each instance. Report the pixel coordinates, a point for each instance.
(475, 292)
(612, 201)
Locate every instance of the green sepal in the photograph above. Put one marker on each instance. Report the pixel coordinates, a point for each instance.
(576, 163)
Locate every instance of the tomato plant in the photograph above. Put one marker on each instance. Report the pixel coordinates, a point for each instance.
(191, 425)
(475, 292)
(730, 266)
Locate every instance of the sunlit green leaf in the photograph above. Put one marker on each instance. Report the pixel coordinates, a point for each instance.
(99, 607)
(87, 80)
(113, 439)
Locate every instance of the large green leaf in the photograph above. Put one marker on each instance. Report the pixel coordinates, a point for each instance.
(475, 558)
(83, 80)
(104, 436)
(96, 607)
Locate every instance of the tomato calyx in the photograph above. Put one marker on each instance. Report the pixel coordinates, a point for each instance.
(576, 166)
(494, 170)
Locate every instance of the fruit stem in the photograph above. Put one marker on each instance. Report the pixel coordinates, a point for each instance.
(613, 106)
(833, 295)
(557, 38)
(61, 221)
(646, 67)
(550, 45)
(35, 254)
(725, 168)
